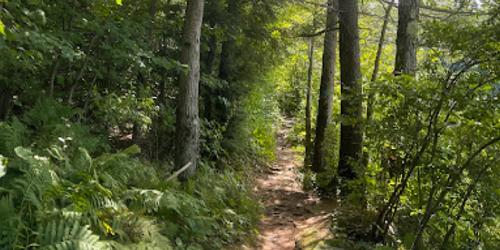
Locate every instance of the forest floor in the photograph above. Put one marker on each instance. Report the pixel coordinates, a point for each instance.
(293, 218)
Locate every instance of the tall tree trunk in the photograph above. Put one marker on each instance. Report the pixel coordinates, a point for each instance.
(308, 144)
(187, 120)
(227, 65)
(406, 40)
(351, 133)
(228, 69)
(5, 103)
(326, 88)
(376, 65)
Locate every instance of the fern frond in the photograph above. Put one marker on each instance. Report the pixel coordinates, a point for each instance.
(69, 235)
(9, 223)
(144, 233)
(12, 134)
(37, 180)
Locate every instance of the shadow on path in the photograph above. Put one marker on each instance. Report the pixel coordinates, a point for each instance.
(293, 218)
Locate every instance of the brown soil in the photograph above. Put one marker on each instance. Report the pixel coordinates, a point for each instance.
(293, 218)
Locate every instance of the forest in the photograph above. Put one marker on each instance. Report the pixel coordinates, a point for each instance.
(249, 124)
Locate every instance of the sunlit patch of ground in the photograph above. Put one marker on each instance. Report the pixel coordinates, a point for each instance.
(293, 218)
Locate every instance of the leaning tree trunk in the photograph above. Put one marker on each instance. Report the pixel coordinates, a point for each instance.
(326, 88)
(187, 120)
(351, 133)
(406, 40)
(308, 145)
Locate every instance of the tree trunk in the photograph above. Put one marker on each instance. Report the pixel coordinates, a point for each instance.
(351, 134)
(406, 40)
(187, 120)
(453, 178)
(308, 145)
(376, 65)
(326, 88)
(227, 67)
(5, 103)
(451, 231)
(228, 64)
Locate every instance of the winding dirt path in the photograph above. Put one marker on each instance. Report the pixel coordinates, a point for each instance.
(293, 218)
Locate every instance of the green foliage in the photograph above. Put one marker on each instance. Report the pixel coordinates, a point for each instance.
(3, 165)
(13, 134)
(87, 120)
(118, 111)
(68, 234)
(55, 123)
(432, 144)
(426, 134)
(82, 82)
(62, 196)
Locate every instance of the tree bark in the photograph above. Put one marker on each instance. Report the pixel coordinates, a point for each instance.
(187, 120)
(351, 133)
(406, 40)
(308, 145)
(326, 88)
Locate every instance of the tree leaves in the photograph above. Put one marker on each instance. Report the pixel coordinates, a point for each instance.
(2, 28)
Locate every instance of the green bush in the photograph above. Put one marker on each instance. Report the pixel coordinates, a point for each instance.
(57, 194)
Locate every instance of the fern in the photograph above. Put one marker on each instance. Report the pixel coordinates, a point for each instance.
(69, 235)
(12, 134)
(141, 233)
(10, 226)
(114, 196)
(37, 180)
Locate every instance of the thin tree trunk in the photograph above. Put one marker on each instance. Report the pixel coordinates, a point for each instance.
(406, 40)
(187, 120)
(82, 71)
(326, 88)
(376, 65)
(308, 144)
(211, 55)
(450, 184)
(468, 193)
(351, 133)
(53, 77)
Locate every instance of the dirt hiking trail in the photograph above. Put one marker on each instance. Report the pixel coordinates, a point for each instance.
(293, 218)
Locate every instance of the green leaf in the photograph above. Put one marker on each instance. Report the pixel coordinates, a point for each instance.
(119, 2)
(23, 153)
(2, 28)
(3, 166)
(132, 150)
(83, 159)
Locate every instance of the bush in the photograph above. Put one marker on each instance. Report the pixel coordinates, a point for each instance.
(59, 193)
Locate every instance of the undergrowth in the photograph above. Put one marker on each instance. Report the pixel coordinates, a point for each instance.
(62, 187)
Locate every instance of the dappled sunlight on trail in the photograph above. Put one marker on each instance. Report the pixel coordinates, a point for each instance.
(293, 218)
